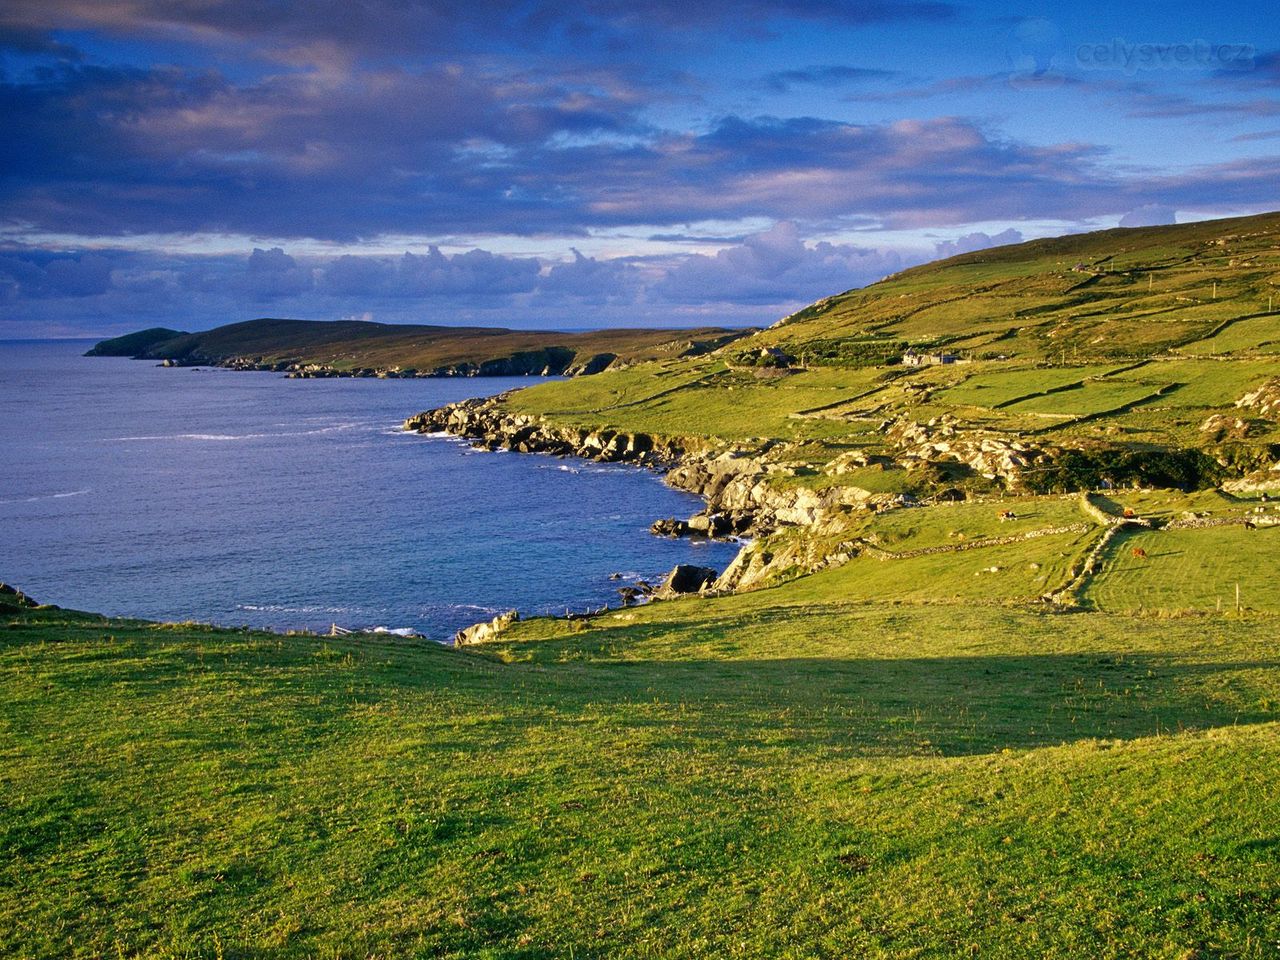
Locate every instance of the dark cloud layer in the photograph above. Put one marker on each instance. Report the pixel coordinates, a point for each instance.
(380, 28)
(448, 150)
(830, 75)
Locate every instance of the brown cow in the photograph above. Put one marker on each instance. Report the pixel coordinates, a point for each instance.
(1139, 553)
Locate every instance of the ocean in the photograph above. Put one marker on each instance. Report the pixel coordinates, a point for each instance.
(241, 498)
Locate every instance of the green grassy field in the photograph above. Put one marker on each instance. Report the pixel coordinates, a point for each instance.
(998, 386)
(952, 524)
(762, 775)
(1191, 570)
(962, 736)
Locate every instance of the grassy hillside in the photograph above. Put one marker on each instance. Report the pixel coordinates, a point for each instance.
(1125, 293)
(1111, 344)
(133, 344)
(772, 774)
(359, 346)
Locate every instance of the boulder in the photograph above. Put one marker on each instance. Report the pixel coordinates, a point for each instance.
(686, 578)
(1219, 427)
(669, 527)
(1265, 399)
(484, 632)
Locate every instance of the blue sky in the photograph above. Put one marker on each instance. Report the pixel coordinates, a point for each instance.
(591, 162)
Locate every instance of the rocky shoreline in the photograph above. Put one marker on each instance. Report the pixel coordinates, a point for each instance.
(744, 490)
(735, 483)
(546, 363)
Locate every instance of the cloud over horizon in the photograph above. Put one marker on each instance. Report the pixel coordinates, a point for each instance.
(755, 282)
(569, 153)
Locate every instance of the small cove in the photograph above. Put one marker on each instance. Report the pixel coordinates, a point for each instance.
(247, 498)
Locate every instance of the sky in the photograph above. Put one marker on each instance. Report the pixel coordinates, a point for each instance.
(591, 163)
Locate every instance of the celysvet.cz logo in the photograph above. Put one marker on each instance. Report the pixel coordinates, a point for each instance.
(1131, 58)
(1036, 55)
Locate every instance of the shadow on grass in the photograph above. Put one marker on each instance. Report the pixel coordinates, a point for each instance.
(876, 700)
(947, 706)
(728, 693)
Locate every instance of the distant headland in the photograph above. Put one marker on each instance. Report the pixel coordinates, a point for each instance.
(313, 348)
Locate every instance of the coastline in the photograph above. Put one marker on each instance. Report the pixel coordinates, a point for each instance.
(732, 480)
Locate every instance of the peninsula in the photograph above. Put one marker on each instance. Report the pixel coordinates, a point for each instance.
(310, 348)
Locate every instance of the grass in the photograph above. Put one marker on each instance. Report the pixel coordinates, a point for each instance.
(757, 775)
(700, 402)
(1203, 384)
(1091, 398)
(1197, 569)
(1245, 335)
(997, 387)
(908, 754)
(951, 524)
(1004, 572)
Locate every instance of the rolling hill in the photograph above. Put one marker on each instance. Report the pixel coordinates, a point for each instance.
(362, 348)
(816, 435)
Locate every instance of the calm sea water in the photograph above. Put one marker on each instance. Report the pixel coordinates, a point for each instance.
(247, 498)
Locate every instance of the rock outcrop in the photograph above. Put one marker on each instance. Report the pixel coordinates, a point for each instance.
(988, 454)
(1264, 400)
(737, 482)
(1266, 480)
(685, 578)
(486, 631)
(1219, 427)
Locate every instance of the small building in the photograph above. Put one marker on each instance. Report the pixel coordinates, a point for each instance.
(773, 356)
(913, 359)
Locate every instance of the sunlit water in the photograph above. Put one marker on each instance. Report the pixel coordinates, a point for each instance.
(248, 498)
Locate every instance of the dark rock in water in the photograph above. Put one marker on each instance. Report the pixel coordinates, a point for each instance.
(712, 525)
(615, 576)
(700, 523)
(669, 527)
(629, 595)
(686, 578)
